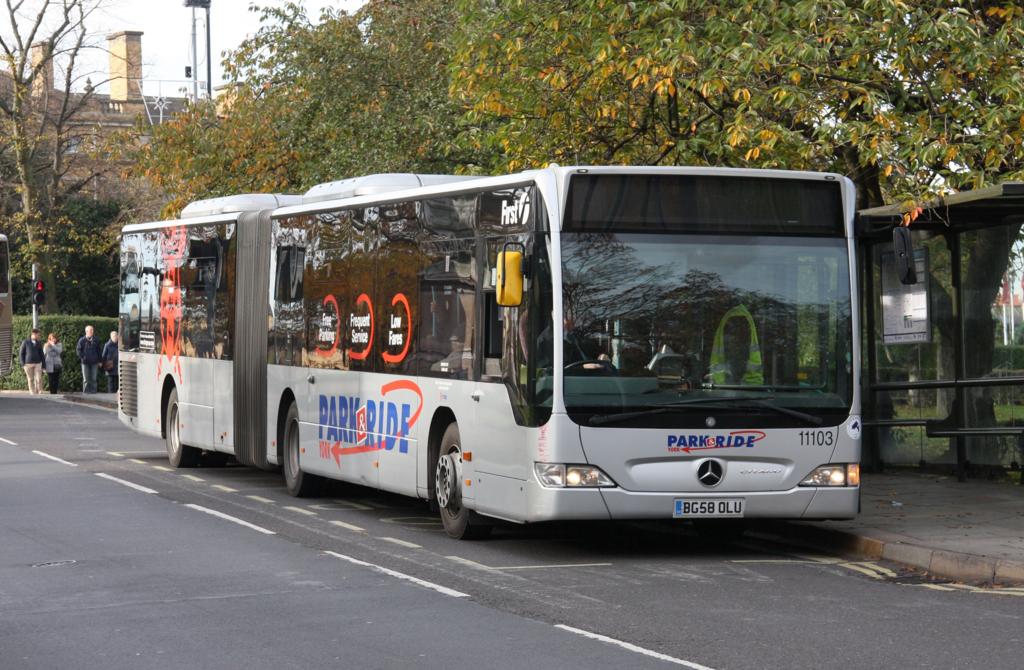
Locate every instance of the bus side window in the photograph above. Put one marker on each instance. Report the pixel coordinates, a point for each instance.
(448, 287)
(287, 344)
(326, 289)
(131, 280)
(398, 269)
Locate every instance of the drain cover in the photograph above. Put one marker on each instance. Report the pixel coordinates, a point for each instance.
(54, 564)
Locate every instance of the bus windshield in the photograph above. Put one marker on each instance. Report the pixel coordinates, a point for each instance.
(652, 319)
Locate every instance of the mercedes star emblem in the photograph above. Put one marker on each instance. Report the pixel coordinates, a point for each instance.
(709, 473)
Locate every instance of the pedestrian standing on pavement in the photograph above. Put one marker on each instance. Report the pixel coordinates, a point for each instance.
(31, 357)
(52, 361)
(110, 362)
(90, 354)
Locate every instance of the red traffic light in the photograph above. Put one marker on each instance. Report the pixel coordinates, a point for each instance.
(39, 293)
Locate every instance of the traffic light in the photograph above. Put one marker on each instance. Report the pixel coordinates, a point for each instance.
(39, 292)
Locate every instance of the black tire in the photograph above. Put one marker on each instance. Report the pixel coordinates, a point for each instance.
(459, 522)
(299, 484)
(179, 454)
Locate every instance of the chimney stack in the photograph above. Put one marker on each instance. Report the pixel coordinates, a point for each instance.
(125, 65)
(44, 80)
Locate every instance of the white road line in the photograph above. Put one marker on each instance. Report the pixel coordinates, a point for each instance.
(136, 460)
(162, 468)
(194, 478)
(232, 519)
(226, 489)
(348, 526)
(472, 564)
(261, 499)
(395, 540)
(116, 454)
(401, 575)
(6, 441)
(352, 505)
(123, 482)
(554, 565)
(54, 458)
(632, 647)
(300, 510)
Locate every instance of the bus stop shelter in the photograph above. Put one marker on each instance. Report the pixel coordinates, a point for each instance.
(943, 378)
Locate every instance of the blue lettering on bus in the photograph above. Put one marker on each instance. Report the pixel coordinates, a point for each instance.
(387, 423)
(735, 439)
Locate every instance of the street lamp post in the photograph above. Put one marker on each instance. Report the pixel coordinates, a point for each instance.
(201, 4)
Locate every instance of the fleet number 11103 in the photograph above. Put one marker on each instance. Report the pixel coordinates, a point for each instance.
(817, 438)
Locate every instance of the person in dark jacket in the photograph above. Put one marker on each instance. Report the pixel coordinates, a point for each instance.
(110, 362)
(31, 357)
(90, 354)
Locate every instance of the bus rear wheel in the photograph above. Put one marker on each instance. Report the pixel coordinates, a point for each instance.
(180, 455)
(459, 522)
(299, 484)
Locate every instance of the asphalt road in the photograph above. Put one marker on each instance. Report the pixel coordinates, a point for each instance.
(111, 559)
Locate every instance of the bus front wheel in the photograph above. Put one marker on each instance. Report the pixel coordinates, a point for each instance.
(459, 522)
(300, 484)
(180, 455)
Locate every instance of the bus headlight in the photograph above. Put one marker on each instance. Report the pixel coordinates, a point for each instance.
(560, 475)
(835, 474)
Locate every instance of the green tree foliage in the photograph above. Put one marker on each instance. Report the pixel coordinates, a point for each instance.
(311, 101)
(80, 243)
(904, 96)
(41, 123)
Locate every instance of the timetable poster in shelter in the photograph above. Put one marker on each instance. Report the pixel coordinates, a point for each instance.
(905, 306)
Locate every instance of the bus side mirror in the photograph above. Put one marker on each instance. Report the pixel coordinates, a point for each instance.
(510, 277)
(903, 247)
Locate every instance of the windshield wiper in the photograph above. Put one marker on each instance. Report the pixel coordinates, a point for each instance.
(747, 401)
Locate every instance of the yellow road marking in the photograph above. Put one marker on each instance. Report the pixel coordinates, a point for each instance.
(162, 468)
(226, 489)
(936, 587)
(861, 569)
(115, 453)
(261, 499)
(194, 478)
(136, 460)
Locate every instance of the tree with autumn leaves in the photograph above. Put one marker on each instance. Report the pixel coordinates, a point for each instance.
(312, 100)
(906, 97)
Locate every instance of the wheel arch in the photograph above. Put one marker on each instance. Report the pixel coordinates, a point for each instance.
(286, 401)
(443, 417)
(165, 396)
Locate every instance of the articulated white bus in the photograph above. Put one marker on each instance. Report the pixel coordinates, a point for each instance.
(6, 310)
(565, 343)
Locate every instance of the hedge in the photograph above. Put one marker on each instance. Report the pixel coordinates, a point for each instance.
(68, 328)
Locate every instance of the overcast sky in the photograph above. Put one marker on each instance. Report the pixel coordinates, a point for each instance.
(167, 25)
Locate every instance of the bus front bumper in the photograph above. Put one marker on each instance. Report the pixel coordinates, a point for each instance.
(549, 504)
